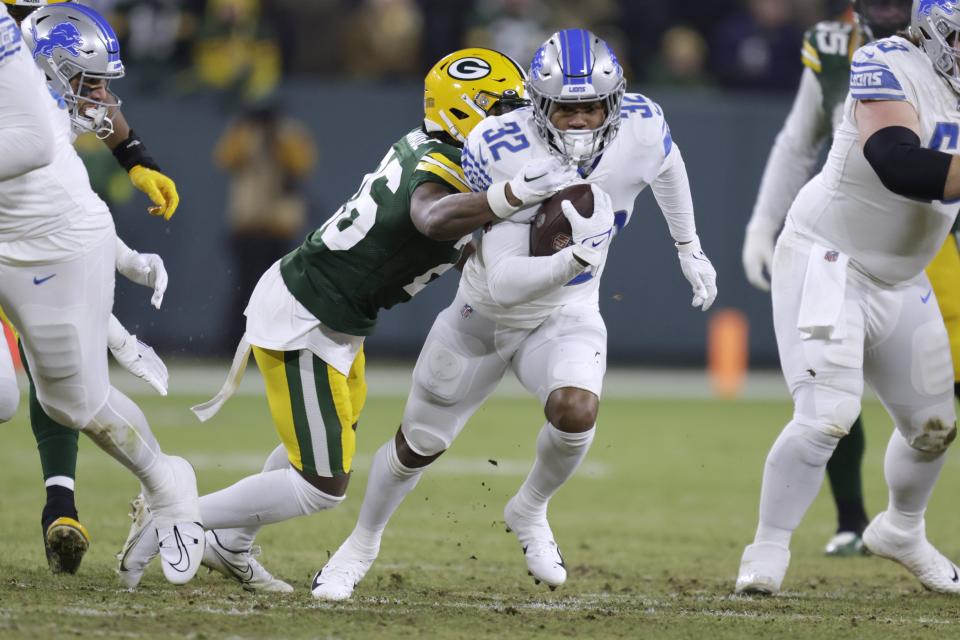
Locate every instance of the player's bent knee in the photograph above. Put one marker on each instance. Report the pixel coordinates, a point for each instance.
(439, 374)
(933, 430)
(315, 492)
(411, 458)
(572, 410)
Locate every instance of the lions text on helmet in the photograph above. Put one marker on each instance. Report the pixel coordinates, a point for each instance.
(78, 51)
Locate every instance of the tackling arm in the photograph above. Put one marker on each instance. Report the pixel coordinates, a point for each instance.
(441, 215)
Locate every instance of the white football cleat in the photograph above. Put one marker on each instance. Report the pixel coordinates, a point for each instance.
(541, 552)
(343, 571)
(141, 546)
(762, 568)
(176, 512)
(912, 550)
(241, 566)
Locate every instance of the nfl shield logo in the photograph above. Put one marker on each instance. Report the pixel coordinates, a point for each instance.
(831, 256)
(466, 311)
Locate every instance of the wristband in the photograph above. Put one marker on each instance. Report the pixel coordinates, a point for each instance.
(497, 200)
(132, 152)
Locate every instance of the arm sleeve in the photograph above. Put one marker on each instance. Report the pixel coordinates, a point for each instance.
(671, 188)
(514, 278)
(793, 156)
(26, 134)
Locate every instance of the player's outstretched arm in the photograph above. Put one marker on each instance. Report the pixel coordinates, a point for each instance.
(788, 168)
(145, 269)
(891, 144)
(144, 172)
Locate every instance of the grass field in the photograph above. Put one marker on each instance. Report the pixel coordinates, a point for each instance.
(652, 530)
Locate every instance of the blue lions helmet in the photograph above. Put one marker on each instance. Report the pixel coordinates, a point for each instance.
(72, 42)
(573, 66)
(936, 23)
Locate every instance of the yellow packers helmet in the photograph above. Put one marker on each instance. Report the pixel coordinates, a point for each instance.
(466, 86)
(20, 9)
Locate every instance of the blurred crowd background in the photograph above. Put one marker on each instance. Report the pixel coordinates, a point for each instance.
(245, 47)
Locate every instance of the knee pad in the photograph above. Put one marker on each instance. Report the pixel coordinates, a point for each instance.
(440, 374)
(933, 429)
(813, 445)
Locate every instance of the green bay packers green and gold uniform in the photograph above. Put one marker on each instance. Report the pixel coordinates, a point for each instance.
(370, 256)
(310, 312)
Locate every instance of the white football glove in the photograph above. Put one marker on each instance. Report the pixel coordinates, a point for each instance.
(757, 255)
(591, 236)
(539, 179)
(137, 357)
(699, 272)
(145, 269)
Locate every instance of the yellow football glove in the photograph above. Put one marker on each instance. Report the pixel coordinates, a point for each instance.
(159, 188)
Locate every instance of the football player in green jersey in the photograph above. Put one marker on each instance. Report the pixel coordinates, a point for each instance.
(817, 108)
(309, 314)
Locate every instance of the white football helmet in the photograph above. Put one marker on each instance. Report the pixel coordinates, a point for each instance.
(72, 42)
(574, 65)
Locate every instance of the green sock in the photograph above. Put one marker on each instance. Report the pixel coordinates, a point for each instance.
(57, 444)
(843, 470)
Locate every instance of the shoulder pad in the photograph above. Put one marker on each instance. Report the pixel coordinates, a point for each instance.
(874, 70)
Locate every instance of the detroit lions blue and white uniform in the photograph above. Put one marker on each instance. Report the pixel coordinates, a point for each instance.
(851, 303)
(849, 292)
(559, 339)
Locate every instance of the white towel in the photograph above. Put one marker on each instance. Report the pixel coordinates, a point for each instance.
(824, 286)
(208, 409)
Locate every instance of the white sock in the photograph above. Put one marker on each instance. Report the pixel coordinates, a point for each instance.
(389, 483)
(558, 455)
(792, 477)
(911, 475)
(264, 498)
(241, 539)
(121, 429)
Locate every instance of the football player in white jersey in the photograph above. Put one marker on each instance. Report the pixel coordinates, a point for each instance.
(851, 302)
(538, 316)
(83, 80)
(57, 255)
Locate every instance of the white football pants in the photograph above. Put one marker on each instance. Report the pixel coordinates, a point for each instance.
(466, 354)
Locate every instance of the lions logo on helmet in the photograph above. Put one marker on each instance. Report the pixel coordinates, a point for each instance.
(71, 42)
(466, 86)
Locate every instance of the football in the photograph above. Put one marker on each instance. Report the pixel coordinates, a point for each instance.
(550, 230)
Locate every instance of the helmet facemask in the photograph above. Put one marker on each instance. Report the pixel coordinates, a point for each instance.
(937, 25)
(87, 114)
(579, 145)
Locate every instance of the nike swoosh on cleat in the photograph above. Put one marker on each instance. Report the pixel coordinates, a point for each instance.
(925, 299)
(37, 280)
(955, 577)
(316, 581)
(526, 179)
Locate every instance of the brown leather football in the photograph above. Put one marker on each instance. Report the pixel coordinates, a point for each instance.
(550, 230)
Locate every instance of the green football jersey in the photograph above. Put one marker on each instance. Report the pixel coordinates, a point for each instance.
(827, 50)
(369, 255)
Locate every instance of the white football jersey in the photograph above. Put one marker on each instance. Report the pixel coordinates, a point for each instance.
(845, 206)
(49, 214)
(498, 148)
